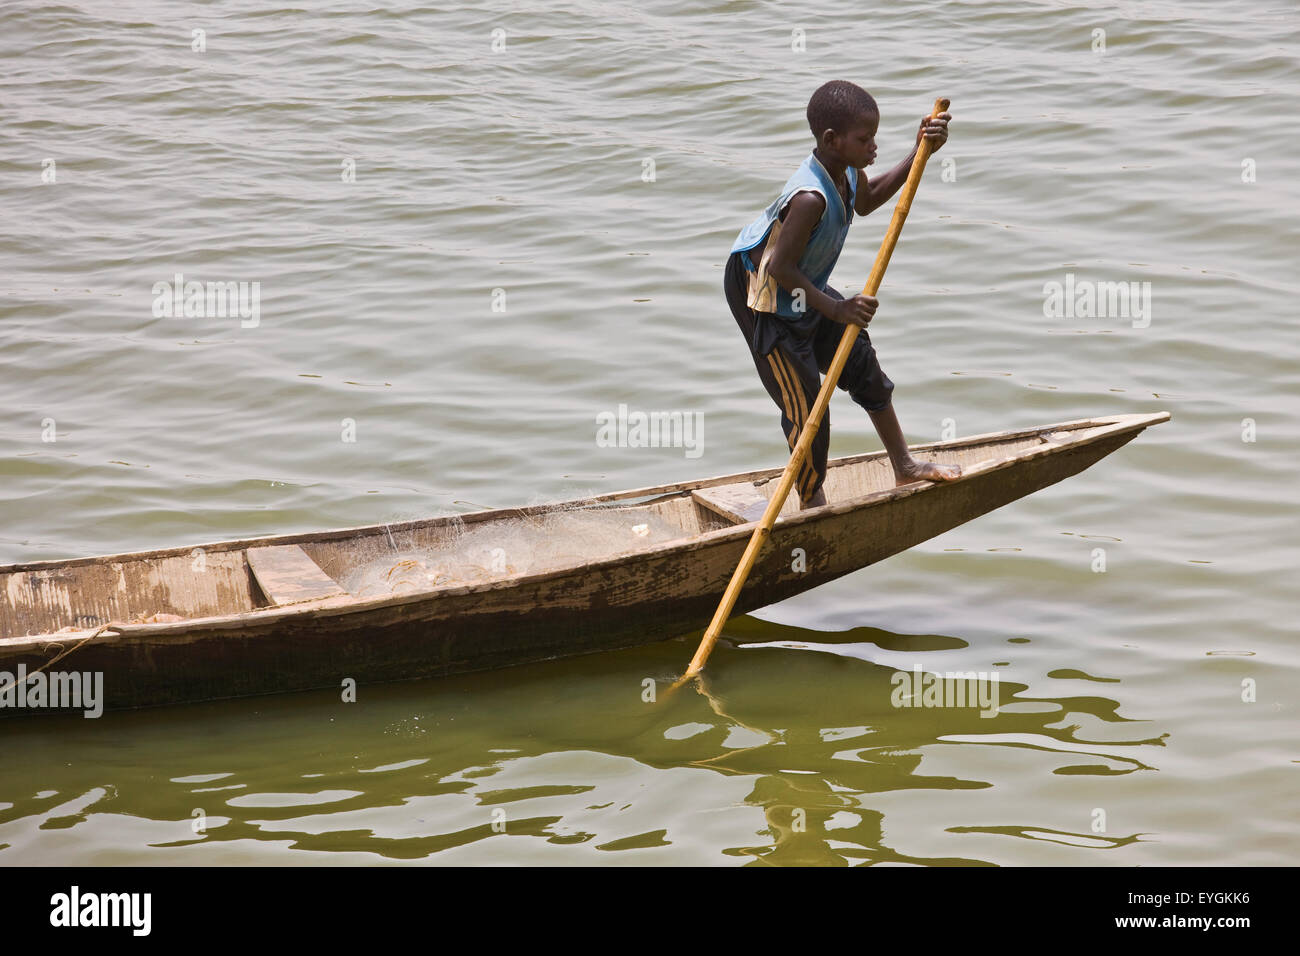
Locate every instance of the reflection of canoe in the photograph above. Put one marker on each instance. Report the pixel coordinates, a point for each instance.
(260, 616)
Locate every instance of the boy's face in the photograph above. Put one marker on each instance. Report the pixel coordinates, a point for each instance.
(856, 145)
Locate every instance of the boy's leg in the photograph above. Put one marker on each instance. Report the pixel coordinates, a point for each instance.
(870, 387)
(797, 374)
(785, 375)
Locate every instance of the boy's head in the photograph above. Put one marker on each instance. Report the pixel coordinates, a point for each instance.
(843, 118)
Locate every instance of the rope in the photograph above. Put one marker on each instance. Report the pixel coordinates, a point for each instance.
(58, 657)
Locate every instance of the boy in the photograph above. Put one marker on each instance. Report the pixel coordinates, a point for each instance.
(776, 283)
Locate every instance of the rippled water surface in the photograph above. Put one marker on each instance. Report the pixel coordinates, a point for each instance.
(514, 167)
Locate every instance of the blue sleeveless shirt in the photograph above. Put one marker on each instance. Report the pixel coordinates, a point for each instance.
(765, 294)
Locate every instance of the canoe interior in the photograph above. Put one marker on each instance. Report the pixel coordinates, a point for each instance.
(219, 579)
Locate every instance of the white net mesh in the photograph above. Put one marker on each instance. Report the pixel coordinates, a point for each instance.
(497, 549)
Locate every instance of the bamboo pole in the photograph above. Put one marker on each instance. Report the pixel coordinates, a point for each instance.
(764, 528)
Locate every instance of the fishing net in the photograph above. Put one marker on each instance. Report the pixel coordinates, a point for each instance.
(488, 551)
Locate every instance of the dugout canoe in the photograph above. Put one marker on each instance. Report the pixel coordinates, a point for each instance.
(275, 614)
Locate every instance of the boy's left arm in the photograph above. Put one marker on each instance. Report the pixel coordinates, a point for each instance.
(874, 193)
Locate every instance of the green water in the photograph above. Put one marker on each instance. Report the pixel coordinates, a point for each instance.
(1122, 736)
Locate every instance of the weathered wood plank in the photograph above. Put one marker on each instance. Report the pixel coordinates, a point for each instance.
(740, 502)
(287, 575)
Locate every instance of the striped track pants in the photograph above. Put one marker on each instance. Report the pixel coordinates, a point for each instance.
(791, 373)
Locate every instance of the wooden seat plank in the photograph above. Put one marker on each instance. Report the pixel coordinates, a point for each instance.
(288, 575)
(741, 502)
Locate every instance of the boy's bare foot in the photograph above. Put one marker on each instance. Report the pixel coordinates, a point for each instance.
(925, 471)
(816, 501)
(906, 468)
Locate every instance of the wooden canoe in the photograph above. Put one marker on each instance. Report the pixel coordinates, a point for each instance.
(268, 615)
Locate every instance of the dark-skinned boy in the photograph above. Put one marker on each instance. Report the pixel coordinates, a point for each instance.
(790, 318)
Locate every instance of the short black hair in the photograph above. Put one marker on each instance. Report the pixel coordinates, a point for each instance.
(835, 105)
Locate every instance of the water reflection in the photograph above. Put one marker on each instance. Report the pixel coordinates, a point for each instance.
(785, 753)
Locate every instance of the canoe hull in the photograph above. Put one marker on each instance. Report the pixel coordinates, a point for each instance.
(612, 604)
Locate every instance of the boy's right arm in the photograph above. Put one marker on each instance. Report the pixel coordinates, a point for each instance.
(803, 212)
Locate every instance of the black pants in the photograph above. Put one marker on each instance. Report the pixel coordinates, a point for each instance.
(792, 366)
